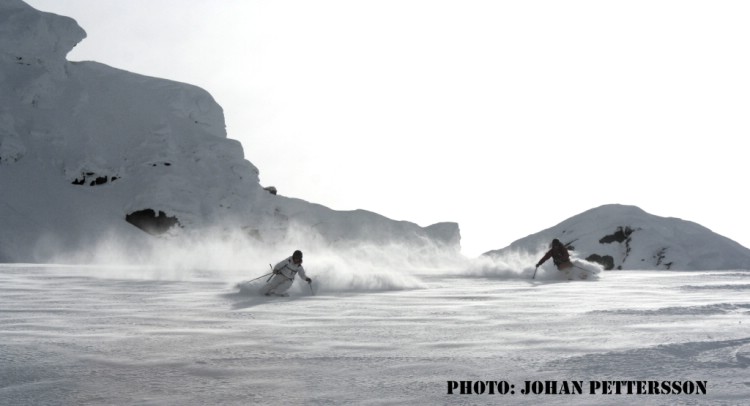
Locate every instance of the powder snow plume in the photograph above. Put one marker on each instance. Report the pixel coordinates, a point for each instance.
(233, 257)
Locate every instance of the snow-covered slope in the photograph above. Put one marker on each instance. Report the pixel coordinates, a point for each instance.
(88, 151)
(626, 237)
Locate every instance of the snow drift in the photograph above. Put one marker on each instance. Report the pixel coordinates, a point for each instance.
(626, 237)
(92, 156)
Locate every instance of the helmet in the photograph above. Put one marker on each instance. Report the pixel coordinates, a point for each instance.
(297, 255)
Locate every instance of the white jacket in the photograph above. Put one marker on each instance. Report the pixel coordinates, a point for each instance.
(288, 268)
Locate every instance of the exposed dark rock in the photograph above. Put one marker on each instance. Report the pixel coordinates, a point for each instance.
(606, 261)
(95, 179)
(100, 180)
(271, 189)
(148, 221)
(660, 256)
(620, 235)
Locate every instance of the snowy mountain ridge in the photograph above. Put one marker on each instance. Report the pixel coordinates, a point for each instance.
(88, 152)
(98, 163)
(626, 237)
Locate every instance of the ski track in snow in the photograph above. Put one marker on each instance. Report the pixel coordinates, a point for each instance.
(87, 340)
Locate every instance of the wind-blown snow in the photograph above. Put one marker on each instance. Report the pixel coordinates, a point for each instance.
(84, 145)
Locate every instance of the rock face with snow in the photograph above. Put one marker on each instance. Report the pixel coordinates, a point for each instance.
(626, 237)
(87, 151)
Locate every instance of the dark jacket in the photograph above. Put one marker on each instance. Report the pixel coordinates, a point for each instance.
(558, 253)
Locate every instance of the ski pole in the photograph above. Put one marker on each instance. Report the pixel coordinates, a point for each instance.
(311, 289)
(537, 267)
(269, 278)
(583, 269)
(257, 278)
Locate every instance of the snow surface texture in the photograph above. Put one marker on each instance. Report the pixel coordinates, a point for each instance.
(84, 146)
(626, 237)
(83, 336)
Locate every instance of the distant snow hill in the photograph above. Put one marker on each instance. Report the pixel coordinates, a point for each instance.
(626, 237)
(88, 152)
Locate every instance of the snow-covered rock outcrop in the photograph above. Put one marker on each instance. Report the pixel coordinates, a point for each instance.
(88, 151)
(626, 237)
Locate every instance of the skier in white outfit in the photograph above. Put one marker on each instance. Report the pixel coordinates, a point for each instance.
(283, 275)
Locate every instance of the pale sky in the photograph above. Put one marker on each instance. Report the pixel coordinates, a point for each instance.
(507, 117)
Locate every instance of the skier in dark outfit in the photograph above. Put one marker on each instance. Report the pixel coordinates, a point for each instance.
(559, 255)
